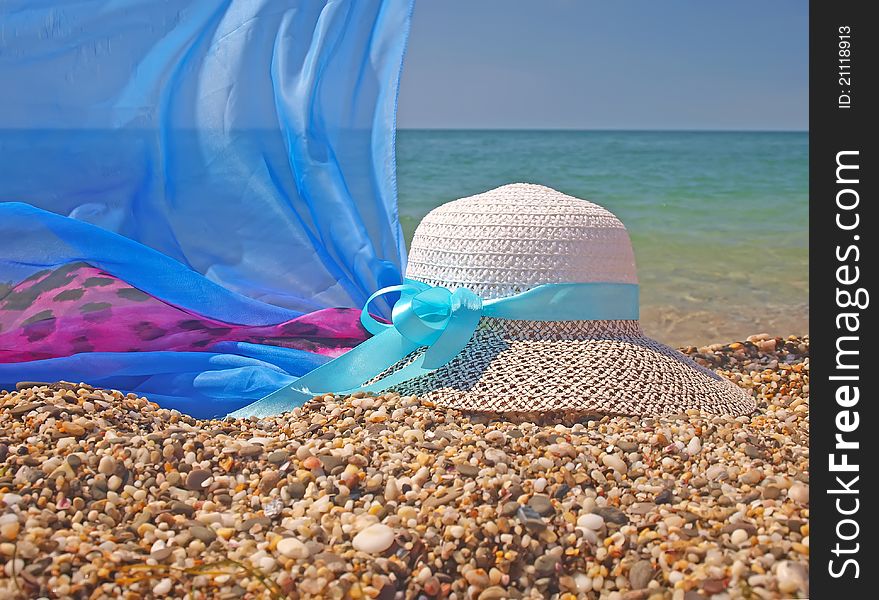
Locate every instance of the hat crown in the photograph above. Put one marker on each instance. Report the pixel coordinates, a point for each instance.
(517, 237)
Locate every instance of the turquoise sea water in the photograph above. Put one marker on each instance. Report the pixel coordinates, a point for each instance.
(719, 220)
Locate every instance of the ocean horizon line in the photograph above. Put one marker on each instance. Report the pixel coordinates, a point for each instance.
(462, 129)
(599, 130)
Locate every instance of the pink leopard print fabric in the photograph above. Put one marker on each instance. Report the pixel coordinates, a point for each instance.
(78, 308)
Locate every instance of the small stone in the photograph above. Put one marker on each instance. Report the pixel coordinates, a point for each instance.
(545, 565)
(274, 508)
(493, 592)
(752, 451)
(590, 521)
(739, 537)
(541, 504)
(292, 548)
(23, 409)
(107, 466)
(392, 490)
(268, 482)
(664, 497)
(611, 514)
(203, 534)
(713, 586)
(615, 462)
(771, 492)
(181, 508)
(70, 428)
(196, 479)
(627, 446)
(751, 477)
(278, 457)
(509, 508)
(792, 577)
(799, 492)
(375, 539)
(296, 490)
(694, 447)
(531, 519)
(163, 587)
(641, 508)
(250, 451)
(330, 462)
(496, 437)
(456, 531)
(432, 586)
(9, 528)
(162, 554)
(477, 578)
(311, 463)
(641, 574)
(467, 470)
(716, 472)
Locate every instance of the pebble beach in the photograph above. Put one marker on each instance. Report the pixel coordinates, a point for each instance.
(106, 495)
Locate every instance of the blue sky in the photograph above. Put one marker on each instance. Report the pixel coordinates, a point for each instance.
(585, 64)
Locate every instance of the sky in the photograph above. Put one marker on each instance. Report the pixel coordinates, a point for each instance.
(589, 64)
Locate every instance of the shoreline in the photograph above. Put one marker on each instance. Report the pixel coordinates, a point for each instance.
(103, 494)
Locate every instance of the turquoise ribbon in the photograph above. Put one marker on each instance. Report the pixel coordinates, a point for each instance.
(443, 321)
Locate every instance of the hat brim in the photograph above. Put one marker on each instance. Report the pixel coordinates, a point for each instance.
(574, 367)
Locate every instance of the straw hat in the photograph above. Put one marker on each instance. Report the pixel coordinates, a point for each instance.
(518, 237)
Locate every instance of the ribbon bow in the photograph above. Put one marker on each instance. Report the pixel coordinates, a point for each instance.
(444, 321)
(435, 317)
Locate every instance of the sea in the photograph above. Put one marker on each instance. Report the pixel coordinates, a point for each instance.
(718, 220)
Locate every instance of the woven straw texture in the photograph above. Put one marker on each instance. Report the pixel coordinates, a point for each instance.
(517, 237)
(606, 367)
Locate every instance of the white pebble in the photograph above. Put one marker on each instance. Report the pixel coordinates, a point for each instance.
(540, 484)
(614, 462)
(695, 446)
(739, 537)
(11, 499)
(792, 577)
(374, 539)
(799, 492)
(163, 587)
(590, 521)
(292, 548)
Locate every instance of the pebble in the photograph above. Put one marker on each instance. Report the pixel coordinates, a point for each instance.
(250, 451)
(204, 534)
(664, 497)
(107, 466)
(611, 514)
(739, 537)
(641, 574)
(196, 478)
(799, 492)
(545, 565)
(163, 587)
(694, 446)
(531, 519)
(292, 548)
(375, 539)
(614, 462)
(591, 521)
(278, 457)
(475, 507)
(541, 504)
(792, 577)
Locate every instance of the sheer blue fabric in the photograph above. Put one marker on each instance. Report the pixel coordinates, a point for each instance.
(234, 158)
(250, 140)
